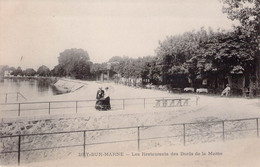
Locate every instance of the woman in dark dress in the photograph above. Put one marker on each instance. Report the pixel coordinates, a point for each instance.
(100, 99)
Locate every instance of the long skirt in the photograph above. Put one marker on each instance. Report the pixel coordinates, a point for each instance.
(103, 104)
(107, 103)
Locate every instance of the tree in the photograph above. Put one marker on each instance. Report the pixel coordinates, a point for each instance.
(224, 54)
(247, 12)
(11, 68)
(58, 71)
(17, 72)
(43, 71)
(154, 73)
(122, 65)
(81, 70)
(205, 54)
(29, 72)
(3, 68)
(174, 55)
(71, 60)
(115, 59)
(98, 68)
(135, 68)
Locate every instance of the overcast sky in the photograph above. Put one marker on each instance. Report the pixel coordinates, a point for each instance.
(38, 30)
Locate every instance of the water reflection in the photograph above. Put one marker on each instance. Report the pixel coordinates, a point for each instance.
(29, 87)
(31, 83)
(43, 85)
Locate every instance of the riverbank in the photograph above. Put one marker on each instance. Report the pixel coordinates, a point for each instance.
(53, 79)
(67, 86)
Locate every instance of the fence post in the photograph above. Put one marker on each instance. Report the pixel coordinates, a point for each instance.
(84, 144)
(144, 102)
(257, 128)
(49, 108)
(76, 106)
(19, 109)
(223, 126)
(19, 150)
(138, 138)
(6, 98)
(184, 140)
(123, 104)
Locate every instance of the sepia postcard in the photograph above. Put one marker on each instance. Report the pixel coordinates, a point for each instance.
(112, 83)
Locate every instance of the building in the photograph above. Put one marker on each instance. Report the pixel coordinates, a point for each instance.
(7, 73)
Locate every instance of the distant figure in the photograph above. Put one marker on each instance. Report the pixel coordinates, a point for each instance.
(226, 91)
(107, 99)
(100, 99)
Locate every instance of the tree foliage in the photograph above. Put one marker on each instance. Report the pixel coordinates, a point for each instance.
(17, 72)
(3, 68)
(247, 12)
(75, 63)
(176, 55)
(115, 59)
(29, 72)
(43, 71)
(130, 67)
(97, 68)
(58, 71)
(205, 54)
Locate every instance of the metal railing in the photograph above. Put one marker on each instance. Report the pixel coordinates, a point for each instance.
(49, 107)
(12, 95)
(183, 132)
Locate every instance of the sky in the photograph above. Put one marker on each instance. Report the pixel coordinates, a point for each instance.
(35, 32)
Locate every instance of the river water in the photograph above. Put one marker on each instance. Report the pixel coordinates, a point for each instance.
(29, 88)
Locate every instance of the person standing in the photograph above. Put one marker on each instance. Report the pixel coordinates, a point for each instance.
(107, 98)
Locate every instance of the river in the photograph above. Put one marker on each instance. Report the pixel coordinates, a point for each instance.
(29, 88)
